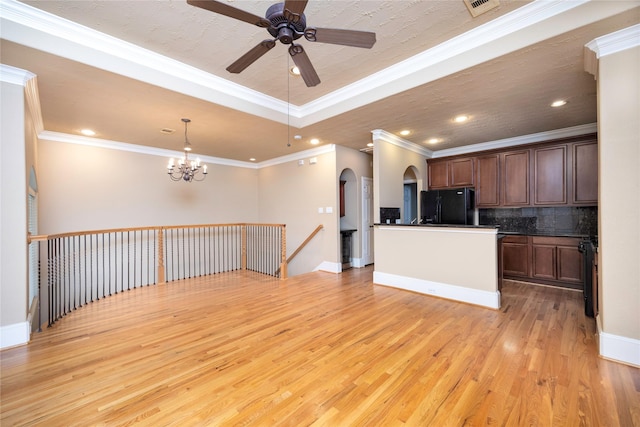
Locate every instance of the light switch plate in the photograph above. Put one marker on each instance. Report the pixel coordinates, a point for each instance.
(329, 209)
(320, 210)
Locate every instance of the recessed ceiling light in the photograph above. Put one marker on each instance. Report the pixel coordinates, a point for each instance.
(461, 119)
(297, 137)
(558, 103)
(314, 141)
(252, 159)
(294, 71)
(405, 132)
(433, 141)
(87, 132)
(370, 144)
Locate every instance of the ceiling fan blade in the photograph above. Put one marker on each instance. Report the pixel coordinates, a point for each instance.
(295, 8)
(230, 11)
(303, 63)
(353, 38)
(250, 57)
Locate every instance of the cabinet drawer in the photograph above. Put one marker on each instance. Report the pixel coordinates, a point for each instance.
(556, 241)
(516, 239)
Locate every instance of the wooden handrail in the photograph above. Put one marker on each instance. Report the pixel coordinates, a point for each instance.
(303, 244)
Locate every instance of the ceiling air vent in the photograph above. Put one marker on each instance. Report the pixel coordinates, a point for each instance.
(478, 7)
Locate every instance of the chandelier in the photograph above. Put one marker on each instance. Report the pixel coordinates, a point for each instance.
(186, 170)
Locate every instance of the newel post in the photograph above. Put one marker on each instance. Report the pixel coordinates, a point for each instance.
(161, 277)
(283, 251)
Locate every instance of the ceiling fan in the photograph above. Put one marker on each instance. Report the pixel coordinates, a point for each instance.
(286, 22)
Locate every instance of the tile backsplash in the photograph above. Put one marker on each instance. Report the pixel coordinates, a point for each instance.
(547, 220)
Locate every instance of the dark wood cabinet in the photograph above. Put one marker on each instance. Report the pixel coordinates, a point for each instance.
(461, 172)
(543, 261)
(438, 174)
(585, 173)
(554, 261)
(488, 181)
(515, 256)
(550, 175)
(564, 172)
(570, 267)
(515, 179)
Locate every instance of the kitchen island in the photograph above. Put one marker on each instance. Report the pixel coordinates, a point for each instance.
(453, 262)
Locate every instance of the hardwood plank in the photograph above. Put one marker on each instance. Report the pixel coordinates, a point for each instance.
(318, 349)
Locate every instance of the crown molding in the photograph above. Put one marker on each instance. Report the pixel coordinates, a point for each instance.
(29, 81)
(133, 148)
(519, 140)
(41, 30)
(32, 27)
(161, 152)
(382, 135)
(16, 76)
(618, 41)
(324, 149)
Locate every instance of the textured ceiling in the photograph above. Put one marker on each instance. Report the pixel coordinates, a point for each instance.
(506, 94)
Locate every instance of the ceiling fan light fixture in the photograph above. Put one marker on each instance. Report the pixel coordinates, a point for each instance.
(294, 71)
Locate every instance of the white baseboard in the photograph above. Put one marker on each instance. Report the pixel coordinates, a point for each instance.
(15, 334)
(331, 267)
(441, 290)
(618, 348)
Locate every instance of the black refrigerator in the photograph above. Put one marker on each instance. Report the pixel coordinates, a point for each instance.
(447, 206)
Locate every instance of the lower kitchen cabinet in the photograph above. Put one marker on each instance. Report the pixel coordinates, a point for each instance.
(515, 256)
(541, 259)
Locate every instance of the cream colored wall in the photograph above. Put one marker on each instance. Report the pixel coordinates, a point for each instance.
(619, 193)
(448, 255)
(361, 165)
(390, 161)
(291, 194)
(14, 178)
(89, 188)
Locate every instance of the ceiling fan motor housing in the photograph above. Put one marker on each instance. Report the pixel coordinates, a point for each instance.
(285, 30)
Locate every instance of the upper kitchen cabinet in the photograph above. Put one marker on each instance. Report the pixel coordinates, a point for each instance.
(585, 173)
(488, 181)
(515, 179)
(562, 172)
(453, 173)
(438, 171)
(550, 175)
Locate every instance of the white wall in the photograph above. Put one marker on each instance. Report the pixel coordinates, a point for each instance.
(91, 188)
(619, 208)
(291, 194)
(17, 156)
(360, 165)
(391, 158)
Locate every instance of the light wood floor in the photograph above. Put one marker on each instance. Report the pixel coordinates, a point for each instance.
(318, 349)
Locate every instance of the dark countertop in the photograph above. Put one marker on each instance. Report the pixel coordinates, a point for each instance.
(546, 234)
(489, 227)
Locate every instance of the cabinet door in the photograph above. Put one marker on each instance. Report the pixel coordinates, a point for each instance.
(515, 259)
(544, 262)
(488, 181)
(461, 172)
(438, 174)
(515, 183)
(570, 267)
(549, 175)
(585, 173)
